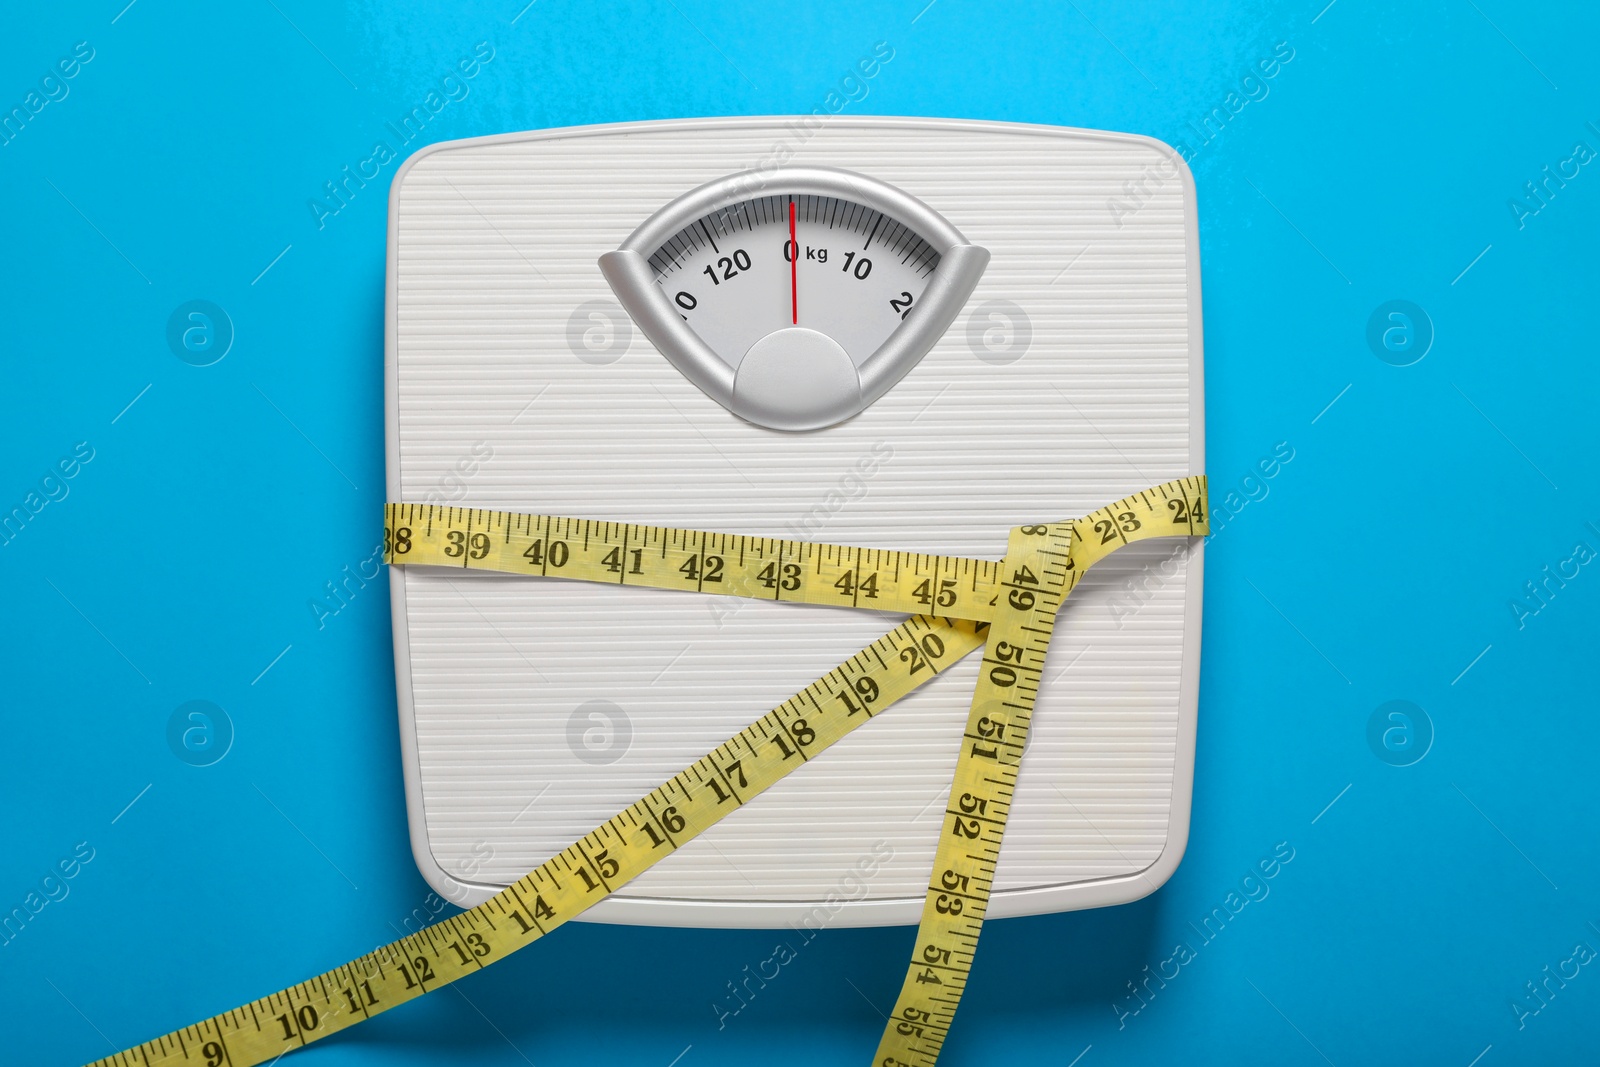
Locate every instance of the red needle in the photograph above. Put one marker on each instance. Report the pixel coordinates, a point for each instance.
(794, 269)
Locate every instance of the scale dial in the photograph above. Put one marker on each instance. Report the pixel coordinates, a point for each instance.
(730, 273)
(799, 307)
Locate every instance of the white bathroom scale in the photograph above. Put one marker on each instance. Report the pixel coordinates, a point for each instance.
(900, 333)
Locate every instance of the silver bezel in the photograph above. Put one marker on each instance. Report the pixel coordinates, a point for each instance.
(961, 264)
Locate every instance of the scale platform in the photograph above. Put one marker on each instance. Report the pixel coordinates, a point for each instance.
(1062, 372)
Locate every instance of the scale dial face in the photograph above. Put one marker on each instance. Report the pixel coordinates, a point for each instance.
(850, 272)
(795, 299)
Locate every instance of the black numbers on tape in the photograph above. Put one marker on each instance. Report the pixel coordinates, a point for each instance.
(1126, 523)
(933, 956)
(706, 568)
(556, 557)
(944, 598)
(1003, 675)
(366, 999)
(605, 864)
(987, 727)
(459, 544)
(671, 822)
(733, 772)
(475, 942)
(1022, 599)
(866, 692)
(305, 1017)
(921, 654)
(541, 910)
(1183, 514)
(914, 1020)
(802, 734)
(424, 972)
(613, 561)
(787, 577)
(849, 587)
(400, 544)
(212, 1051)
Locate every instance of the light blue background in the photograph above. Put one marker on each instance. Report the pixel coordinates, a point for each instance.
(1380, 565)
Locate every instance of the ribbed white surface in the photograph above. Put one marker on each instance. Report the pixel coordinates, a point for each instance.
(496, 246)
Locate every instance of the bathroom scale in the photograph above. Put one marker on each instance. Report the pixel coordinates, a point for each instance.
(903, 333)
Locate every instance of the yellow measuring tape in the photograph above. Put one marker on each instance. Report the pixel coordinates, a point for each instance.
(957, 605)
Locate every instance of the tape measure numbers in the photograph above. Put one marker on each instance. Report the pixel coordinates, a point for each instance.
(1042, 573)
(957, 605)
(658, 557)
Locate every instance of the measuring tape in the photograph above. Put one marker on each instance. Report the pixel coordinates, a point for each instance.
(957, 605)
